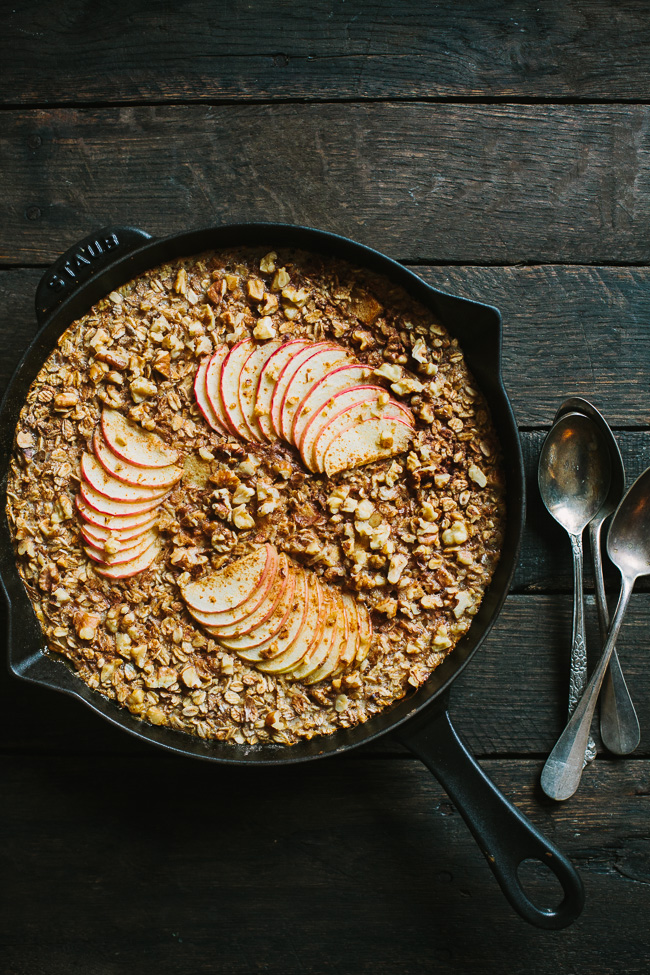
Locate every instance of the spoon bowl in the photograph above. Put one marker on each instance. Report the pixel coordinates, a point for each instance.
(628, 541)
(617, 471)
(574, 471)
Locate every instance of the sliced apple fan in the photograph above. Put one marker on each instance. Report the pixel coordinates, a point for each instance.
(280, 617)
(307, 394)
(123, 483)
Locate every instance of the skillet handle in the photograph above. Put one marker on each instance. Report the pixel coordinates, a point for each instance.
(503, 833)
(82, 261)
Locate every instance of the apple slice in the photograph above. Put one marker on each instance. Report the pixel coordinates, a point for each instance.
(308, 634)
(267, 381)
(364, 443)
(337, 647)
(349, 415)
(202, 401)
(133, 444)
(109, 506)
(265, 611)
(320, 650)
(113, 523)
(312, 367)
(153, 477)
(95, 475)
(212, 388)
(349, 651)
(99, 536)
(341, 377)
(227, 589)
(248, 383)
(365, 633)
(126, 569)
(229, 386)
(249, 605)
(286, 375)
(280, 642)
(336, 406)
(127, 554)
(271, 627)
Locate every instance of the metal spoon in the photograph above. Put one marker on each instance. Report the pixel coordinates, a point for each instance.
(619, 725)
(574, 476)
(628, 546)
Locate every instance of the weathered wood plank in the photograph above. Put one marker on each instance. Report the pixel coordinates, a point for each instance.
(167, 867)
(17, 318)
(545, 559)
(510, 701)
(567, 331)
(360, 49)
(513, 697)
(427, 182)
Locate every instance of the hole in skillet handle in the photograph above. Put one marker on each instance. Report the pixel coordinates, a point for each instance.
(506, 837)
(541, 884)
(83, 261)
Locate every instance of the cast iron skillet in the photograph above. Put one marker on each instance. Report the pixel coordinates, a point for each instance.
(104, 261)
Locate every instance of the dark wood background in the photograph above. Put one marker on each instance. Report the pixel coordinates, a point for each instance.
(502, 150)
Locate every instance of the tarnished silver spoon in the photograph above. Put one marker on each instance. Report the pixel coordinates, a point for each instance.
(574, 476)
(628, 546)
(619, 725)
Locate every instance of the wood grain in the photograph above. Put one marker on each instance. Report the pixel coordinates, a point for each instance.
(545, 559)
(138, 51)
(567, 331)
(169, 867)
(511, 700)
(495, 184)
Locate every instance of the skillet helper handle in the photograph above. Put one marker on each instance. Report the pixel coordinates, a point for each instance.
(504, 834)
(82, 261)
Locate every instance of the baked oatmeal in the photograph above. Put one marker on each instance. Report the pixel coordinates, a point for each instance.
(263, 558)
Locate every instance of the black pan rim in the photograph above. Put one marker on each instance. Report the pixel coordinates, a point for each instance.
(32, 664)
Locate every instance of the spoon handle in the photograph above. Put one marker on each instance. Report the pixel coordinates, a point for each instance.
(563, 769)
(619, 725)
(578, 672)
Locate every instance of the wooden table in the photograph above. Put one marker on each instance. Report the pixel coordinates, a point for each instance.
(501, 151)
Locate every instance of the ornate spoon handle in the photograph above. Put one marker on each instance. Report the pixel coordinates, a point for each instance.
(578, 672)
(563, 769)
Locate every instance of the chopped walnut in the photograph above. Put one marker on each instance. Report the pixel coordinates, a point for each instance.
(242, 494)
(387, 606)
(419, 350)
(476, 474)
(280, 279)
(267, 264)
(341, 703)
(65, 401)
(265, 329)
(397, 565)
(389, 371)
(242, 519)
(255, 289)
(86, 625)
(456, 534)
(142, 388)
(406, 386)
(363, 510)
